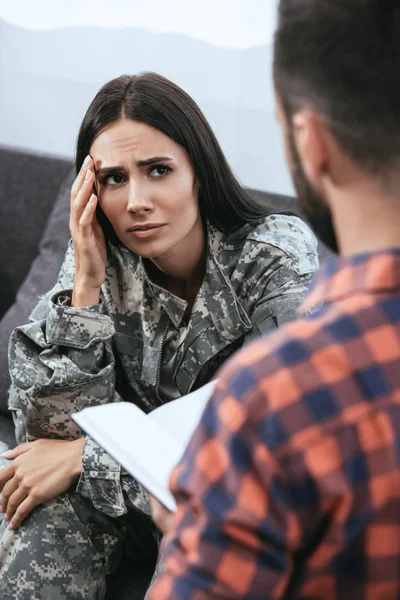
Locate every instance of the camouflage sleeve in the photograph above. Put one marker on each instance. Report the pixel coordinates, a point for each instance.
(287, 279)
(60, 363)
(58, 366)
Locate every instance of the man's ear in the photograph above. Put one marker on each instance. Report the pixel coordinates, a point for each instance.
(309, 134)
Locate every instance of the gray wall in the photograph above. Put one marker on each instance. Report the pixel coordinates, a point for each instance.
(48, 78)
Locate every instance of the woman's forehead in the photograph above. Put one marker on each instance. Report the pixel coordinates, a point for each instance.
(133, 139)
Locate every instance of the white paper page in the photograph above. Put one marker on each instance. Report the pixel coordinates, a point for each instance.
(136, 442)
(179, 418)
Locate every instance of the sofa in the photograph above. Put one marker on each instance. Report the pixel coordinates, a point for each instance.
(33, 238)
(34, 215)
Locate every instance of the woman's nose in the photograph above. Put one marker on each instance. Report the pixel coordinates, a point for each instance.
(138, 201)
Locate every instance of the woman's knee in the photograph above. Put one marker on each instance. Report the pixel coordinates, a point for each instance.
(50, 556)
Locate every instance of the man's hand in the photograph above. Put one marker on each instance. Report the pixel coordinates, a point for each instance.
(39, 471)
(162, 517)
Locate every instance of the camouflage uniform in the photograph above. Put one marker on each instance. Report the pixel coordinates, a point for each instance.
(71, 358)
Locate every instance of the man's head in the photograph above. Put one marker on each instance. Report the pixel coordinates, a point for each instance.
(337, 81)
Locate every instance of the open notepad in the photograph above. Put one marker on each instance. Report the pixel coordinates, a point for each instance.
(147, 446)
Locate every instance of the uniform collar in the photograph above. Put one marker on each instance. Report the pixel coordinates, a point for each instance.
(372, 273)
(216, 297)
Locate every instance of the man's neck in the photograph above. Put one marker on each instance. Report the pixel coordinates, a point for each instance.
(366, 221)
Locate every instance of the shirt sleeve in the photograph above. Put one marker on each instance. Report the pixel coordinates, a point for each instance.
(235, 530)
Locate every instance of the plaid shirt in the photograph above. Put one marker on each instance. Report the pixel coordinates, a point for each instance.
(290, 487)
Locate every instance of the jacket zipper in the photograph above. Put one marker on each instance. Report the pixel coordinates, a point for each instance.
(158, 376)
(194, 338)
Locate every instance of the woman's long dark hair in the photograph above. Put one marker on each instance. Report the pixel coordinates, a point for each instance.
(156, 101)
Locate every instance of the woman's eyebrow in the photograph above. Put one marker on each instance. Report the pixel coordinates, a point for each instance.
(153, 161)
(107, 170)
(140, 163)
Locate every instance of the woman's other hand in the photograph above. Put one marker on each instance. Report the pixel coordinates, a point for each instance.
(162, 517)
(39, 471)
(88, 239)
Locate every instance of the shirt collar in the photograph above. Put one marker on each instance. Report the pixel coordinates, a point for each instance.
(372, 273)
(216, 292)
(174, 306)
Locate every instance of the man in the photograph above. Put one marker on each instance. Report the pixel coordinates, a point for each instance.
(291, 485)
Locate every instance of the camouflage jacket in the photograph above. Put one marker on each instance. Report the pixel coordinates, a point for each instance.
(69, 358)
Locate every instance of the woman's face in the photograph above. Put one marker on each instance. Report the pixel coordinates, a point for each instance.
(146, 187)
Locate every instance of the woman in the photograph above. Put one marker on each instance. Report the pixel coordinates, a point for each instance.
(170, 270)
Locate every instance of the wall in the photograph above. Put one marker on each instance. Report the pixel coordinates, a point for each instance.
(49, 76)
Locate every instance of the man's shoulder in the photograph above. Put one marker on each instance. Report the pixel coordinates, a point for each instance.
(285, 347)
(296, 384)
(282, 368)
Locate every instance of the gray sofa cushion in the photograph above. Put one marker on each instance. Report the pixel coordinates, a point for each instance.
(29, 184)
(40, 278)
(7, 431)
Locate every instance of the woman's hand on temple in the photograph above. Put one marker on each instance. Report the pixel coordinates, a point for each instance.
(39, 471)
(88, 239)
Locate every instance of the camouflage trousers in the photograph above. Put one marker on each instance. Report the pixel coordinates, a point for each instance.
(65, 549)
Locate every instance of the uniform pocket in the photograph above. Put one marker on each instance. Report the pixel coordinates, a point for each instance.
(129, 345)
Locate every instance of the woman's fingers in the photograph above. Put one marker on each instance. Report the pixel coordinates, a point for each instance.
(8, 490)
(15, 499)
(82, 198)
(81, 190)
(88, 239)
(76, 186)
(6, 474)
(24, 508)
(88, 214)
(17, 451)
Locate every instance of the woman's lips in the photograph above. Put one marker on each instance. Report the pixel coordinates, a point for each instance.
(146, 232)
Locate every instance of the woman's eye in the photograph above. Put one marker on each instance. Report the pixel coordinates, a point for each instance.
(113, 180)
(159, 171)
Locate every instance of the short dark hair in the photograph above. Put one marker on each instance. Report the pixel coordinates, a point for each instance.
(156, 101)
(342, 58)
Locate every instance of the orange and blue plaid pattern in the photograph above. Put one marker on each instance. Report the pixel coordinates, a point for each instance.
(290, 487)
